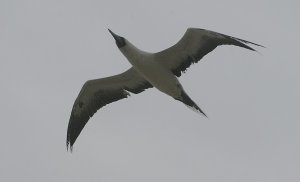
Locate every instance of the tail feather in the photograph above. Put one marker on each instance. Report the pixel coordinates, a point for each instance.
(190, 103)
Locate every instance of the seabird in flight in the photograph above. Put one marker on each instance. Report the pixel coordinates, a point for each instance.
(159, 70)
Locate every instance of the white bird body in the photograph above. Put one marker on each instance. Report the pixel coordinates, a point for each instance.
(159, 70)
(152, 70)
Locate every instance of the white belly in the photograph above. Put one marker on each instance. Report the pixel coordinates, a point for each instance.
(159, 77)
(152, 71)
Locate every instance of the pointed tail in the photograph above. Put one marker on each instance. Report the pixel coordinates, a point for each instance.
(189, 102)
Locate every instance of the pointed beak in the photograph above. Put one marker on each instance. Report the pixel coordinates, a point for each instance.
(116, 37)
(120, 41)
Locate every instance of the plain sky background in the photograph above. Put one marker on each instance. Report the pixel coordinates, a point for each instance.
(49, 48)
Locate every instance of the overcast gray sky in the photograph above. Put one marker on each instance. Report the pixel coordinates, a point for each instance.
(49, 48)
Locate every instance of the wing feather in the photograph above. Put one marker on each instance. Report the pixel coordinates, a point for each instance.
(98, 93)
(193, 46)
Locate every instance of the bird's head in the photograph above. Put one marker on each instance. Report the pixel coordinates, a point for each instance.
(120, 41)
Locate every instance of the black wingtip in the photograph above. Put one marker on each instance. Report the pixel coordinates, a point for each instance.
(74, 129)
(68, 140)
(76, 124)
(248, 42)
(241, 42)
(69, 146)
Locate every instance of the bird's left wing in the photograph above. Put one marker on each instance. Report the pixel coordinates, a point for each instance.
(98, 93)
(195, 44)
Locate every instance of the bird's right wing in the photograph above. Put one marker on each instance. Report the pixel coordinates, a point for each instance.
(195, 44)
(98, 93)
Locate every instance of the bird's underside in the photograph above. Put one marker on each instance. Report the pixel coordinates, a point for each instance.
(95, 94)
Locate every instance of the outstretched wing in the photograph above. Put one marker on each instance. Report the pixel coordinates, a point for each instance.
(195, 44)
(97, 93)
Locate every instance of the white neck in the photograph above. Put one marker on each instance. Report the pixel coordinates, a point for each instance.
(132, 53)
